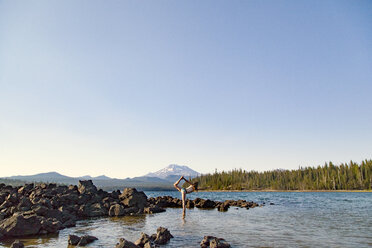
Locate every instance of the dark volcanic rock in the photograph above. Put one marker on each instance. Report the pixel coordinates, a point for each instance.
(123, 243)
(213, 242)
(133, 198)
(205, 204)
(73, 239)
(143, 240)
(50, 226)
(190, 204)
(17, 244)
(86, 239)
(20, 225)
(219, 243)
(80, 241)
(116, 210)
(48, 208)
(162, 236)
(93, 210)
(223, 207)
(87, 187)
(153, 210)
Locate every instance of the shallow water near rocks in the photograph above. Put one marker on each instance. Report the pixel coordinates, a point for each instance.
(298, 219)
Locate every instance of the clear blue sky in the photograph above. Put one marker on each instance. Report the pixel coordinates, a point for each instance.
(122, 88)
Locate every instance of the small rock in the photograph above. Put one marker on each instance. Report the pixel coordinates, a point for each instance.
(17, 244)
(142, 240)
(218, 243)
(86, 239)
(223, 207)
(116, 210)
(73, 239)
(80, 241)
(162, 236)
(153, 210)
(213, 242)
(123, 243)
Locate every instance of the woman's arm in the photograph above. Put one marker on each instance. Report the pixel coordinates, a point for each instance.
(186, 180)
(176, 183)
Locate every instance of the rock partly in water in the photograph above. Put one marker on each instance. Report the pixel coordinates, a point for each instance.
(202, 203)
(162, 236)
(153, 210)
(17, 244)
(73, 239)
(86, 239)
(123, 243)
(213, 242)
(80, 241)
(143, 240)
(21, 225)
(223, 207)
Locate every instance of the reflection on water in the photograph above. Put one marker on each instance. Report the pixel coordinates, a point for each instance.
(296, 220)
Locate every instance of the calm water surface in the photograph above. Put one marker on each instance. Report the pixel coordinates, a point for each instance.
(319, 219)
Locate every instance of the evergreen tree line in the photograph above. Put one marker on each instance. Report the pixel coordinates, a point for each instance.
(351, 176)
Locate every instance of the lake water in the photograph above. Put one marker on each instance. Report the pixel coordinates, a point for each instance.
(298, 219)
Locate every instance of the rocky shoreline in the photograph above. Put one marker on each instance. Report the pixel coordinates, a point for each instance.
(47, 208)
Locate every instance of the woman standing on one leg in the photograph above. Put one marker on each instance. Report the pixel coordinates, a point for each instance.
(184, 191)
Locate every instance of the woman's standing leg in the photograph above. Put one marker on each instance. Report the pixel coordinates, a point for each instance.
(183, 203)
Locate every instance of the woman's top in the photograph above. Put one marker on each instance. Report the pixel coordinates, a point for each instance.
(189, 189)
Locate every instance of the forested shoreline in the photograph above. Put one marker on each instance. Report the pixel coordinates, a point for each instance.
(346, 176)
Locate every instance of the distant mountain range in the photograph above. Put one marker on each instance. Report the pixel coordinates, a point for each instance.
(160, 180)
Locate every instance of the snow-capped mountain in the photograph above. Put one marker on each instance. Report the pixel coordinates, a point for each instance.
(174, 170)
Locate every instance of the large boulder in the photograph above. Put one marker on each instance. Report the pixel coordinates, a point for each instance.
(133, 198)
(123, 243)
(21, 225)
(87, 186)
